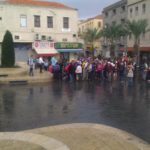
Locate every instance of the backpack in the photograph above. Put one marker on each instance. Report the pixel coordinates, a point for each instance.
(67, 68)
(50, 69)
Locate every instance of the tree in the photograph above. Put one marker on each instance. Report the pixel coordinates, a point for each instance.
(137, 28)
(112, 33)
(8, 53)
(90, 36)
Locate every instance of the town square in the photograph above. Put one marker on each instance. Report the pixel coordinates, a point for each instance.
(74, 75)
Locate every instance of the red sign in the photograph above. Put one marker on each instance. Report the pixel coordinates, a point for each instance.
(43, 45)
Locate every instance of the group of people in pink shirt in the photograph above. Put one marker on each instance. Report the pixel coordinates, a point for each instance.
(96, 69)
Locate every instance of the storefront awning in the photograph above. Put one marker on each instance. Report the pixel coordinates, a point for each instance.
(142, 49)
(46, 52)
(44, 48)
(70, 50)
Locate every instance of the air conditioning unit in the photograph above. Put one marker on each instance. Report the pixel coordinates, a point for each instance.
(37, 36)
(74, 35)
(49, 38)
(43, 37)
(64, 40)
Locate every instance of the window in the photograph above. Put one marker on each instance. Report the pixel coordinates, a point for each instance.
(123, 8)
(65, 22)
(50, 22)
(37, 21)
(114, 12)
(23, 21)
(144, 8)
(136, 10)
(106, 14)
(131, 11)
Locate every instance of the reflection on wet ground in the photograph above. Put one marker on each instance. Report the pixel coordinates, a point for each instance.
(32, 106)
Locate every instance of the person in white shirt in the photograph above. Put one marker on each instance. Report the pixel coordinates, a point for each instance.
(31, 65)
(78, 72)
(85, 72)
(41, 63)
(130, 74)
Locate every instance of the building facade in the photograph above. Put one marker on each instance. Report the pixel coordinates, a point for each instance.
(115, 14)
(31, 21)
(92, 23)
(139, 9)
(129, 10)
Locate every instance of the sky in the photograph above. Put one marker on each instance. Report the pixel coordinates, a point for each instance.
(87, 8)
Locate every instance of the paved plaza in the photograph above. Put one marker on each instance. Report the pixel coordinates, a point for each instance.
(72, 137)
(77, 136)
(22, 74)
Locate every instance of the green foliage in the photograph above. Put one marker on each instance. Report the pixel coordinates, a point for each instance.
(112, 33)
(8, 53)
(91, 35)
(137, 28)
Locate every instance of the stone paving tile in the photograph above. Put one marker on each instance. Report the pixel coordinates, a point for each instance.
(18, 145)
(73, 137)
(46, 142)
(93, 137)
(18, 74)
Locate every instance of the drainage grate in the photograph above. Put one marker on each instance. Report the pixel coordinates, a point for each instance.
(3, 75)
(18, 82)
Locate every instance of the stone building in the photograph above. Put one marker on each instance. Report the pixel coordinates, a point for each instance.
(139, 9)
(115, 14)
(92, 23)
(124, 10)
(31, 20)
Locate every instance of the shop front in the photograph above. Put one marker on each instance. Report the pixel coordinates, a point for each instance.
(44, 48)
(144, 53)
(69, 51)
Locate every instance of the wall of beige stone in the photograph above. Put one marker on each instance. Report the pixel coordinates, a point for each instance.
(10, 15)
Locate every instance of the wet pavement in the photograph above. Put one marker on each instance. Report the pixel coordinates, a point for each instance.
(116, 105)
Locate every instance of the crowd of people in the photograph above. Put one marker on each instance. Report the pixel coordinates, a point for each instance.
(99, 69)
(91, 69)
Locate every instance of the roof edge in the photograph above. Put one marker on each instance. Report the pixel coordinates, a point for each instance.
(39, 3)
